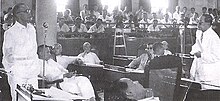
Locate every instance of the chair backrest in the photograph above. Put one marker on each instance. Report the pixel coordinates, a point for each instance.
(164, 77)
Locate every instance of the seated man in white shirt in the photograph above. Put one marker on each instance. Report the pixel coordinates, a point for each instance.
(141, 62)
(158, 49)
(88, 56)
(78, 85)
(130, 22)
(62, 26)
(98, 27)
(165, 45)
(154, 27)
(104, 16)
(166, 20)
(63, 60)
(144, 21)
(79, 26)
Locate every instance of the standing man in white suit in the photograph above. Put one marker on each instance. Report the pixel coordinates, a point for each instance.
(20, 50)
(206, 66)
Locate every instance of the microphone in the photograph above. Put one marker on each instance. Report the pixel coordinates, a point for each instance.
(45, 25)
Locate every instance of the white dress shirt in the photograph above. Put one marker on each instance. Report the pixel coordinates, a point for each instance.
(176, 15)
(20, 42)
(81, 29)
(208, 67)
(140, 62)
(106, 19)
(79, 85)
(90, 58)
(83, 14)
(63, 28)
(143, 25)
(65, 60)
(20, 57)
(151, 28)
(94, 29)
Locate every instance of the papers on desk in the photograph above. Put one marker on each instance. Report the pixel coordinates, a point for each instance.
(57, 94)
(94, 65)
(150, 99)
(189, 80)
(134, 70)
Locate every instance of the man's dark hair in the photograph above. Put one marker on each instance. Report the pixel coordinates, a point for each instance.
(193, 8)
(99, 19)
(85, 5)
(155, 20)
(117, 91)
(210, 9)
(15, 9)
(208, 18)
(204, 8)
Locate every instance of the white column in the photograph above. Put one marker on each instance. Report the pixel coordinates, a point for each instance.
(135, 5)
(46, 12)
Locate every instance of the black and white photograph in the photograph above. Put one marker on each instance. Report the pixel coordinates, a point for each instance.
(109, 50)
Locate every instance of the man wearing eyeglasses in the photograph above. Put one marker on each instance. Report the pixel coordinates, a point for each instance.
(206, 65)
(20, 50)
(140, 62)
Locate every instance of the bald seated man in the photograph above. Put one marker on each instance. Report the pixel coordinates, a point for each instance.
(78, 85)
(88, 56)
(125, 89)
(165, 45)
(63, 60)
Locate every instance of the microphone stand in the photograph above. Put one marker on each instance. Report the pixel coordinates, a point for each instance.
(44, 46)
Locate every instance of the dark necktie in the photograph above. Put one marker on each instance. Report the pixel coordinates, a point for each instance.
(201, 37)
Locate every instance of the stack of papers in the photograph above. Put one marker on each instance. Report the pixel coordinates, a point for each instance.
(150, 99)
(56, 93)
(94, 65)
(134, 70)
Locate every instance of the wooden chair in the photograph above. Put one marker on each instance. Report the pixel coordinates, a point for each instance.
(164, 75)
(5, 93)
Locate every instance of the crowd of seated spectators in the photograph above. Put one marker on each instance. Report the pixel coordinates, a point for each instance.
(141, 19)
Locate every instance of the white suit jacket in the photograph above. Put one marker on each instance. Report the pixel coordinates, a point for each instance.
(208, 66)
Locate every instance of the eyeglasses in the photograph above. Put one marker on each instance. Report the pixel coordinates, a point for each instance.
(149, 47)
(28, 11)
(200, 23)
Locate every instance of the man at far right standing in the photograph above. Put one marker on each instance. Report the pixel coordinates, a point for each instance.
(207, 62)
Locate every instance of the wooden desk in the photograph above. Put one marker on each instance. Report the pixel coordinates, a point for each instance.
(104, 46)
(113, 73)
(53, 93)
(109, 73)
